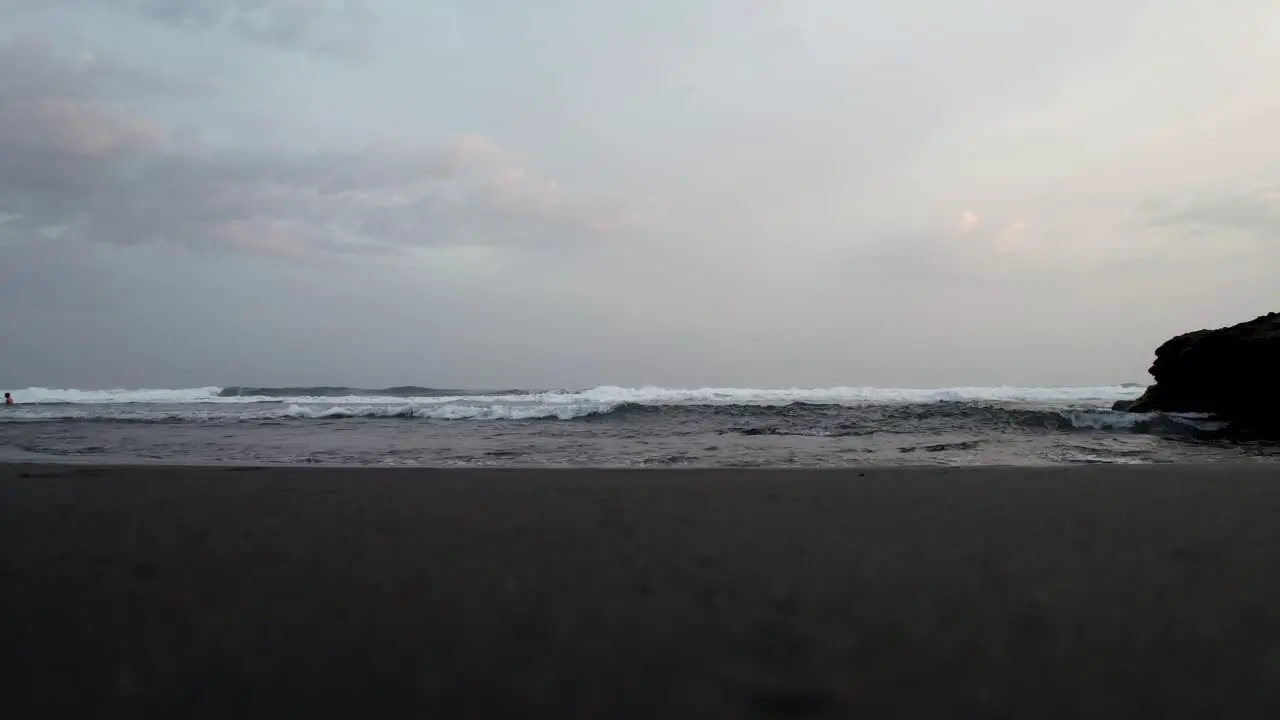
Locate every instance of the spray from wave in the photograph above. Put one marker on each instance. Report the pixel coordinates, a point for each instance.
(846, 396)
(818, 412)
(610, 425)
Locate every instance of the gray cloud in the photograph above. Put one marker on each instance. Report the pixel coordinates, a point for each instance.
(832, 192)
(338, 28)
(1253, 210)
(30, 66)
(76, 163)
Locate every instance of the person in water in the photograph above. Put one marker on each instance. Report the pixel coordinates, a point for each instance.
(8, 399)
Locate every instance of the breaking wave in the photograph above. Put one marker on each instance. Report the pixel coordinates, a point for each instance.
(153, 414)
(326, 391)
(609, 425)
(608, 394)
(825, 412)
(830, 412)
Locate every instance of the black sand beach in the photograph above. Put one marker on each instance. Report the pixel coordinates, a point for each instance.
(1058, 592)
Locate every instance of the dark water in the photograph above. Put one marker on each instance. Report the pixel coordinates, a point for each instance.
(610, 427)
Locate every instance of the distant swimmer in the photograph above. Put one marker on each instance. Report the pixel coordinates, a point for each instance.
(8, 399)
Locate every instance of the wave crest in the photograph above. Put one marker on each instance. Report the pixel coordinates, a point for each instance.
(795, 419)
(448, 412)
(63, 411)
(754, 397)
(335, 391)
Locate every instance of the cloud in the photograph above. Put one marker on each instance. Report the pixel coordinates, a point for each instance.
(74, 161)
(1254, 210)
(1012, 238)
(1234, 228)
(31, 66)
(339, 28)
(60, 107)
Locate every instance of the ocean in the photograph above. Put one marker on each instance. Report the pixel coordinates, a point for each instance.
(610, 426)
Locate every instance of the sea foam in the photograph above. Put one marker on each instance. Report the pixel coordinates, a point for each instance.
(604, 395)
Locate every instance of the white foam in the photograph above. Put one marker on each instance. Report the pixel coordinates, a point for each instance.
(1107, 420)
(1110, 420)
(40, 395)
(600, 399)
(851, 396)
(445, 412)
(1090, 458)
(317, 411)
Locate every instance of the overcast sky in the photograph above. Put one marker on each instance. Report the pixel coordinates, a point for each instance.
(755, 193)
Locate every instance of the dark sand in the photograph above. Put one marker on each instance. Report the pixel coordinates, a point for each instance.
(976, 593)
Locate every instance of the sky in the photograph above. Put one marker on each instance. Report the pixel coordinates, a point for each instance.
(686, 193)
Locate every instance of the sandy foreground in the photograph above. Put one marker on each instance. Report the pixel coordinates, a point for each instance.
(1150, 591)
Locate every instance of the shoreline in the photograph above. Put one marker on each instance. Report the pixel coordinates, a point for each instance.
(170, 464)
(251, 590)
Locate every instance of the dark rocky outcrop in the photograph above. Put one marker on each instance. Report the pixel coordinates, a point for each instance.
(1232, 372)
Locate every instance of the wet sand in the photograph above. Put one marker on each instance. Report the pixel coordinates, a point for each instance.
(988, 592)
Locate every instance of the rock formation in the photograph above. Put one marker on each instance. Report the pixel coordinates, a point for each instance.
(1231, 372)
